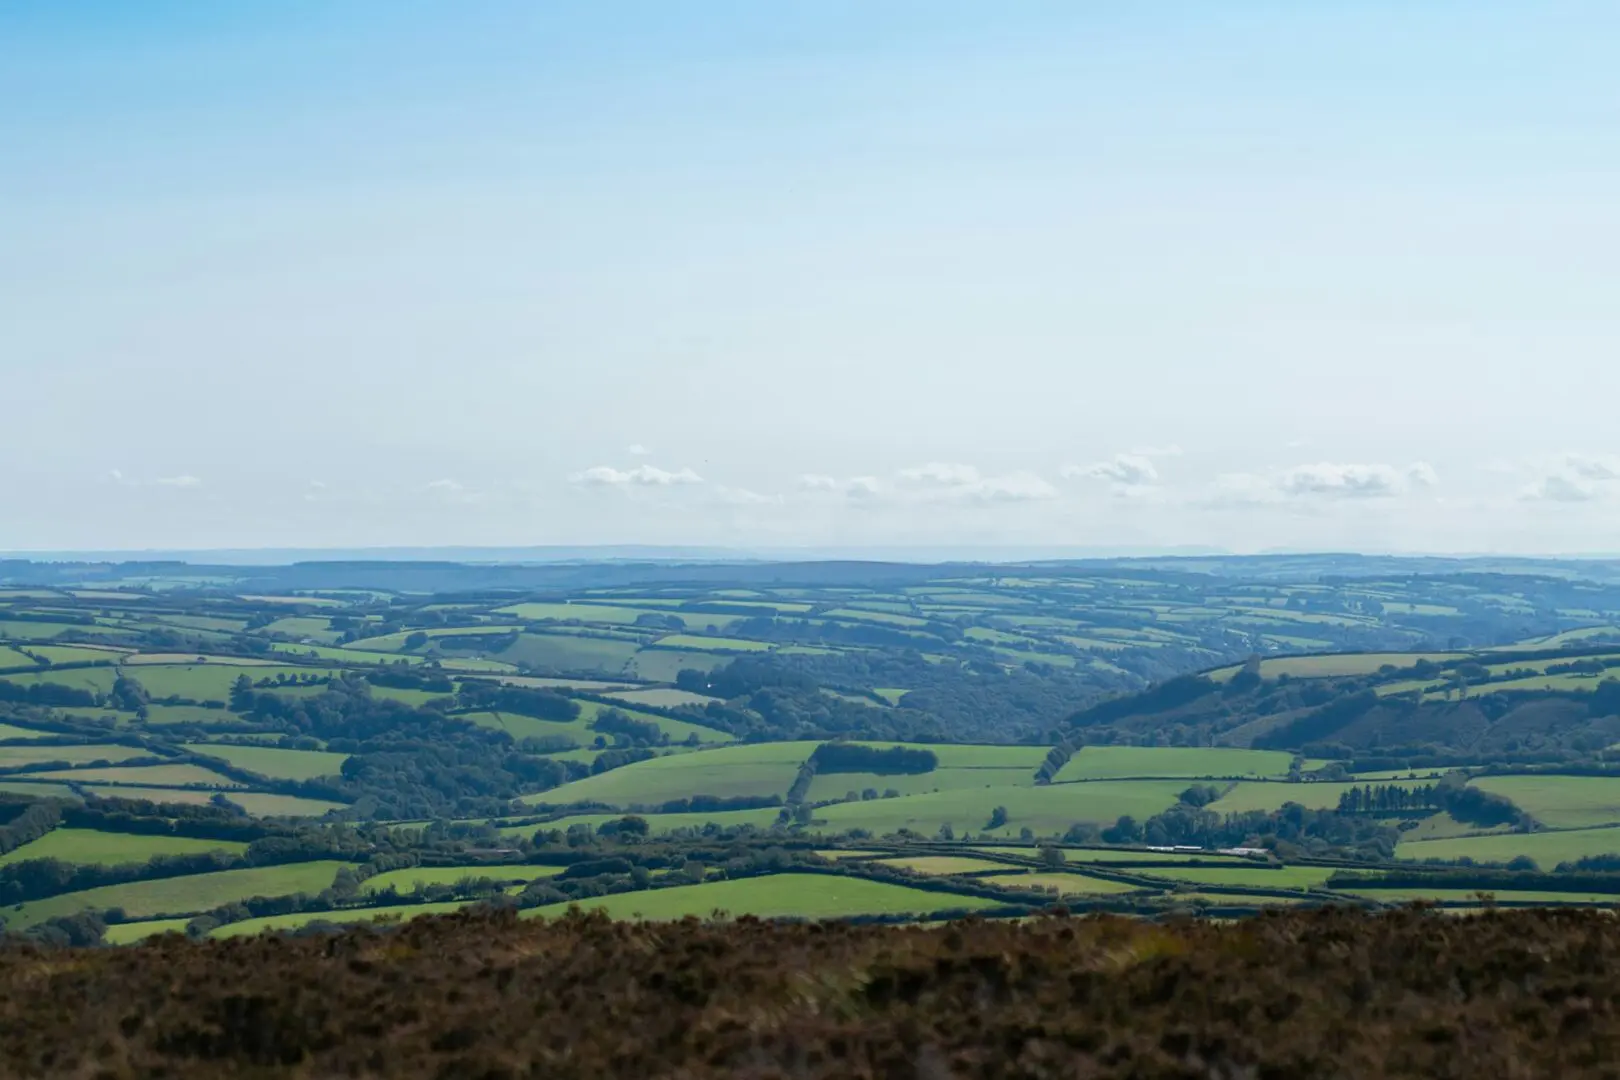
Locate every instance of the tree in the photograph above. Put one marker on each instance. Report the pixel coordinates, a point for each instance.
(998, 818)
(1051, 855)
(415, 641)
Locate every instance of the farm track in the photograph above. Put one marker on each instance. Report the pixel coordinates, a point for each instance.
(1329, 993)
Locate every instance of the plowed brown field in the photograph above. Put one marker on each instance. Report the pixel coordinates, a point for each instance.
(1317, 993)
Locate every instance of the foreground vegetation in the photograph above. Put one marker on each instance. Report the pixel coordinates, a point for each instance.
(1326, 993)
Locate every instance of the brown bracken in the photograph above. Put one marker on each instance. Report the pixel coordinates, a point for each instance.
(1329, 993)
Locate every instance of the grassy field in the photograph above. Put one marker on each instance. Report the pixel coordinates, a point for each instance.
(1562, 802)
(409, 880)
(9, 731)
(273, 761)
(1262, 795)
(1117, 855)
(836, 785)
(12, 756)
(570, 652)
(345, 917)
(1065, 884)
(107, 849)
(261, 804)
(97, 680)
(1122, 762)
(1045, 810)
(1407, 895)
(1342, 664)
(810, 896)
(677, 730)
(1285, 877)
(183, 775)
(762, 818)
(663, 665)
(944, 864)
(204, 682)
(1548, 849)
(661, 698)
(761, 769)
(181, 895)
(182, 796)
(712, 644)
(131, 932)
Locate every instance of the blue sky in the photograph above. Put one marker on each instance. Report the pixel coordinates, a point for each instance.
(1248, 275)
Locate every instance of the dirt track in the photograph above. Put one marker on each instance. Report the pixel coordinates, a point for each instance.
(1337, 994)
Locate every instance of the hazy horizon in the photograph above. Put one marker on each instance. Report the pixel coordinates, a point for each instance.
(822, 276)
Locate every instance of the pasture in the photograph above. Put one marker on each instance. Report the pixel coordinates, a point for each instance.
(273, 761)
(1124, 762)
(182, 895)
(182, 775)
(263, 804)
(89, 846)
(1044, 810)
(939, 865)
(661, 698)
(572, 652)
(207, 682)
(658, 824)
(712, 644)
(1547, 849)
(1063, 884)
(1561, 802)
(1271, 795)
(34, 754)
(828, 786)
(761, 769)
(340, 917)
(1282, 877)
(409, 880)
(809, 896)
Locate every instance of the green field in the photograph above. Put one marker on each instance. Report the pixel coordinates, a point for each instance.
(260, 804)
(107, 849)
(528, 727)
(343, 917)
(1560, 802)
(406, 881)
(762, 818)
(181, 895)
(273, 761)
(570, 652)
(944, 864)
(1342, 664)
(809, 896)
(1045, 810)
(1284, 877)
(1548, 849)
(1408, 895)
(760, 769)
(711, 644)
(827, 786)
(663, 665)
(205, 682)
(661, 698)
(184, 775)
(677, 730)
(97, 680)
(1119, 855)
(183, 796)
(12, 756)
(1313, 795)
(1065, 884)
(8, 731)
(131, 932)
(1122, 762)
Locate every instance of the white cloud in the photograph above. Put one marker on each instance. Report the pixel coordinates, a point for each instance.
(319, 485)
(1319, 482)
(744, 497)
(1560, 488)
(637, 450)
(178, 481)
(1012, 487)
(939, 474)
(1594, 467)
(116, 476)
(640, 476)
(444, 485)
(936, 482)
(1126, 470)
(1340, 481)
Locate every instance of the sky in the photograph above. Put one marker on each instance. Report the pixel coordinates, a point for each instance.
(1246, 276)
